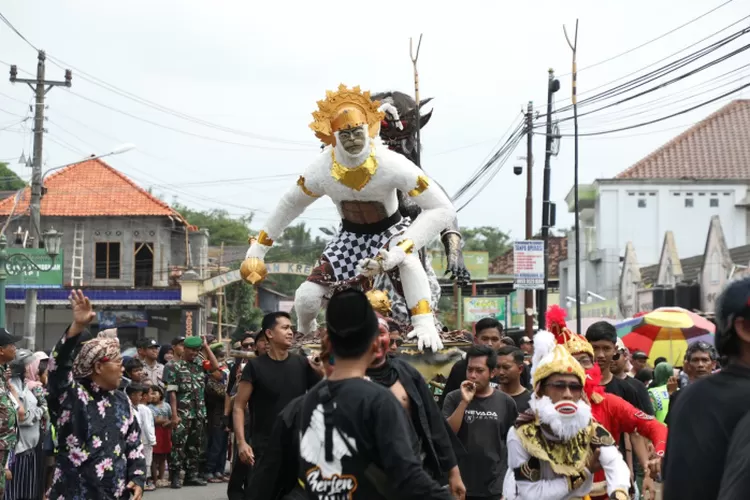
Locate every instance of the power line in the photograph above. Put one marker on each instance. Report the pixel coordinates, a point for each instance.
(650, 122)
(659, 72)
(151, 104)
(653, 39)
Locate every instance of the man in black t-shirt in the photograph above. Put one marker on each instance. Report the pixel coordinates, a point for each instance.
(481, 417)
(268, 383)
(354, 443)
(707, 449)
(489, 332)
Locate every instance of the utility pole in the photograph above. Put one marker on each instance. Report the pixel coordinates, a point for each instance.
(528, 296)
(40, 86)
(552, 87)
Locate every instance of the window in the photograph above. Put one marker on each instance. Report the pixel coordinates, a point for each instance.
(713, 202)
(689, 202)
(641, 202)
(143, 255)
(107, 261)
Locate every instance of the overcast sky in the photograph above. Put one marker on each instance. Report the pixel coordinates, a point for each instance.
(258, 68)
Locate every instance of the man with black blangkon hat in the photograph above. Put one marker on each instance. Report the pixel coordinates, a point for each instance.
(354, 432)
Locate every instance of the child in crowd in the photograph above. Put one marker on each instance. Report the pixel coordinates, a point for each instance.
(162, 413)
(139, 398)
(134, 370)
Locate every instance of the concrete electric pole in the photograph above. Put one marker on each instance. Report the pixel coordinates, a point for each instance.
(40, 86)
(528, 296)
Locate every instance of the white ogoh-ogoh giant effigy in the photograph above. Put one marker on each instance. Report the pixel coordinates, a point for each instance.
(361, 176)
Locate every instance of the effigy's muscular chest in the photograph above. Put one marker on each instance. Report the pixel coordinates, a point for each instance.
(363, 212)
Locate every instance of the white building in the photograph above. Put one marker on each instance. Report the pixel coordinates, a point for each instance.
(701, 173)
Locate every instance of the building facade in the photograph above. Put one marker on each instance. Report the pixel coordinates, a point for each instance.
(701, 175)
(124, 247)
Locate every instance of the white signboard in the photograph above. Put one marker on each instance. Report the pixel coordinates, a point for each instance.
(528, 265)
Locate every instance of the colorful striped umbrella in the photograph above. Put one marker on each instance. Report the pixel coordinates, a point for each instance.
(666, 332)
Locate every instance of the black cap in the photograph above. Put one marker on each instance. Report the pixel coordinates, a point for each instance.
(638, 355)
(147, 343)
(7, 338)
(261, 335)
(349, 314)
(178, 340)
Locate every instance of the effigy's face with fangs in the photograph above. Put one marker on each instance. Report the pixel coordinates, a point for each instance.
(353, 140)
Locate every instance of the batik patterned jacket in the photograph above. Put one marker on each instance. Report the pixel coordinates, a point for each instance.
(99, 444)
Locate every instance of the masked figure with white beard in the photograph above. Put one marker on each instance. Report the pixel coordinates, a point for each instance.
(361, 176)
(556, 446)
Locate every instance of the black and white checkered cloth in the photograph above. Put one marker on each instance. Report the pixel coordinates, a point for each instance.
(347, 250)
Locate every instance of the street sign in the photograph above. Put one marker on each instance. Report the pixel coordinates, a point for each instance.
(21, 274)
(528, 265)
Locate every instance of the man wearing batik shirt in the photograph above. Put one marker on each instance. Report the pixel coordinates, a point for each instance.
(557, 445)
(100, 452)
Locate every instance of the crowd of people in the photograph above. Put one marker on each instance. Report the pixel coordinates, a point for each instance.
(561, 416)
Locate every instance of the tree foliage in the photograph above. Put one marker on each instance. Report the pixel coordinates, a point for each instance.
(9, 181)
(486, 239)
(222, 227)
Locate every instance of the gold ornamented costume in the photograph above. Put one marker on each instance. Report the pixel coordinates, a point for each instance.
(374, 238)
(542, 465)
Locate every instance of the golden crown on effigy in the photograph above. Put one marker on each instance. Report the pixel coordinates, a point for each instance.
(345, 109)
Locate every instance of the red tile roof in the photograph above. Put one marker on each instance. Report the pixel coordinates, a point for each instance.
(718, 147)
(558, 251)
(91, 188)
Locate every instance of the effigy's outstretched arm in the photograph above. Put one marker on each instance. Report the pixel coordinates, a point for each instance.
(436, 212)
(290, 206)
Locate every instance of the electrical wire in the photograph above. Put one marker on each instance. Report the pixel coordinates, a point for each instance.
(486, 169)
(644, 44)
(651, 122)
(660, 72)
(655, 62)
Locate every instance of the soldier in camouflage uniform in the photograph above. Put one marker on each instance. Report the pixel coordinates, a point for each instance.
(8, 411)
(185, 382)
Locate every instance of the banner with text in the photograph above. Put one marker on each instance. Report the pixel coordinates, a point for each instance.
(22, 274)
(189, 322)
(528, 265)
(476, 308)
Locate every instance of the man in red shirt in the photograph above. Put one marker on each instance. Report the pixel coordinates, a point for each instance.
(611, 411)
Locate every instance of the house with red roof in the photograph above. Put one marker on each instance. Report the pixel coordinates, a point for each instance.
(702, 173)
(122, 245)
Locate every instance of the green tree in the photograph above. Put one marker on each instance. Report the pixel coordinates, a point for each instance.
(486, 239)
(222, 227)
(9, 181)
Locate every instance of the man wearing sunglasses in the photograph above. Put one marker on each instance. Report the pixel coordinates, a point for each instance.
(612, 412)
(556, 447)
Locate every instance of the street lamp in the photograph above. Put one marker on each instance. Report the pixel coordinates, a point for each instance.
(52, 242)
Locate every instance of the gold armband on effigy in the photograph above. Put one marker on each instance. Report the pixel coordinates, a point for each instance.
(422, 185)
(264, 240)
(301, 184)
(406, 245)
(422, 307)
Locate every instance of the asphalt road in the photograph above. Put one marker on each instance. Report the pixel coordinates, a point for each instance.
(210, 492)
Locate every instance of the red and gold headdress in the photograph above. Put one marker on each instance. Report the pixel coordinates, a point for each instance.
(576, 344)
(573, 342)
(345, 109)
